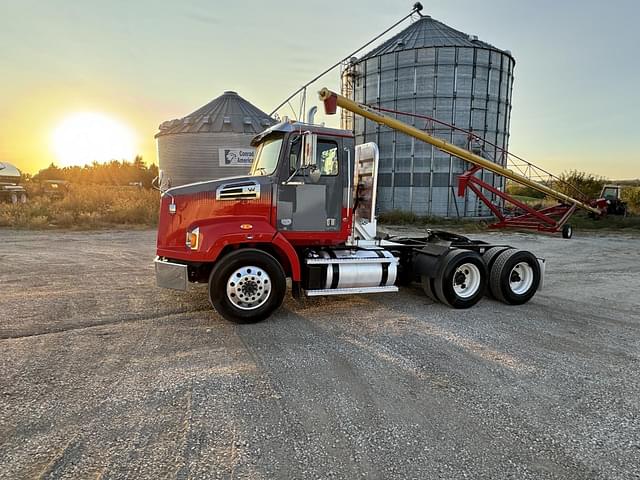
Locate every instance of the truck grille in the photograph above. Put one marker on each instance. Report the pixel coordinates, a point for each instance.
(236, 191)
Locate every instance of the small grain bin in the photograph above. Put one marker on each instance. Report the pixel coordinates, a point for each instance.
(212, 142)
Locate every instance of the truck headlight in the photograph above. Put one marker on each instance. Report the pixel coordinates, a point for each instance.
(193, 238)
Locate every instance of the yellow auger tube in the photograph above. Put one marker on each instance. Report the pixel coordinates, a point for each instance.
(364, 111)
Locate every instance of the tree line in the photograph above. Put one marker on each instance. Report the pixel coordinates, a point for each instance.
(117, 173)
(569, 182)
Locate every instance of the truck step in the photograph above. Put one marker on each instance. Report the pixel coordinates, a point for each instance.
(348, 260)
(347, 291)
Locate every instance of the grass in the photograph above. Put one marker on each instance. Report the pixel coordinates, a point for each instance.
(400, 217)
(528, 200)
(95, 206)
(85, 207)
(579, 221)
(630, 223)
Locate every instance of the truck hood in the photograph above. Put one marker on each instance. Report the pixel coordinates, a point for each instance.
(198, 204)
(213, 185)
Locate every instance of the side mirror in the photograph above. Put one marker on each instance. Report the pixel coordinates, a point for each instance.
(309, 145)
(314, 174)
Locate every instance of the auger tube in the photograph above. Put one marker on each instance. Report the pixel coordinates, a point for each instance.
(332, 99)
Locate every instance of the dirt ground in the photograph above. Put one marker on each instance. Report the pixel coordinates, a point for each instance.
(105, 376)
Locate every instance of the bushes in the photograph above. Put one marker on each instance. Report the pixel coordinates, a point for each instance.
(631, 195)
(588, 183)
(85, 206)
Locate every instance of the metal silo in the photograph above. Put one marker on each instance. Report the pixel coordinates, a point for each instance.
(434, 70)
(212, 142)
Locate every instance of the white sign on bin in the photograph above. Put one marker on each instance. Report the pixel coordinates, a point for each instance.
(236, 157)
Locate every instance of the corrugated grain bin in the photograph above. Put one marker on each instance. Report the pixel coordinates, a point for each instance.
(212, 142)
(432, 69)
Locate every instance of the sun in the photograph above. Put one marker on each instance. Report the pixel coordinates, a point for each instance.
(84, 137)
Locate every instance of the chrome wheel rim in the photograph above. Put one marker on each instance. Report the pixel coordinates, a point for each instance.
(521, 278)
(466, 280)
(248, 288)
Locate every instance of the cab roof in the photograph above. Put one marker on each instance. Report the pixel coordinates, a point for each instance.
(289, 126)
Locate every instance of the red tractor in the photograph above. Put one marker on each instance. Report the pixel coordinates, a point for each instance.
(306, 212)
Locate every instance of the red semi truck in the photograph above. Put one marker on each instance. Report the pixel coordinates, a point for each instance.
(306, 212)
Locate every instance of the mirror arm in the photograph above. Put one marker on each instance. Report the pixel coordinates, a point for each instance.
(288, 180)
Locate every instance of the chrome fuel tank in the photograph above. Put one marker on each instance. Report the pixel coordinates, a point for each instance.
(359, 268)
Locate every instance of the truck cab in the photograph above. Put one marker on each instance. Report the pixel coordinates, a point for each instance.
(306, 212)
(307, 165)
(302, 203)
(612, 194)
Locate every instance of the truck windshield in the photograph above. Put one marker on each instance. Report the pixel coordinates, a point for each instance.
(267, 156)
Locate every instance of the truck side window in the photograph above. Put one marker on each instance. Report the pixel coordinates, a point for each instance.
(294, 154)
(610, 193)
(327, 157)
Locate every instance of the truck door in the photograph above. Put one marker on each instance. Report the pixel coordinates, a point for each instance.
(306, 204)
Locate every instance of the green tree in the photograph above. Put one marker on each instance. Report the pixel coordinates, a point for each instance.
(588, 183)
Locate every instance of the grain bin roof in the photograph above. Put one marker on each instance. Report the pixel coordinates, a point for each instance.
(227, 113)
(428, 32)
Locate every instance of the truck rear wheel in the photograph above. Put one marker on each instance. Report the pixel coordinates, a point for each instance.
(427, 286)
(490, 255)
(489, 258)
(461, 280)
(515, 277)
(247, 286)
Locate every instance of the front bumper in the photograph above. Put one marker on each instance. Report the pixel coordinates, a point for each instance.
(171, 275)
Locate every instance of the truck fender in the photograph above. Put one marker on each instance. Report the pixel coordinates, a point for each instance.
(426, 262)
(286, 249)
(222, 232)
(228, 232)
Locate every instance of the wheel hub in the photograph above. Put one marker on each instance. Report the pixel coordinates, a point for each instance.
(521, 278)
(248, 288)
(461, 279)
(467, 280)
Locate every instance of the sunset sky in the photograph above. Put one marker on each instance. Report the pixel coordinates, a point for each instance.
(126, 66)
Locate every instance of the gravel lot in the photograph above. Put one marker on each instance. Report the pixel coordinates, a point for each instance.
(105, 376)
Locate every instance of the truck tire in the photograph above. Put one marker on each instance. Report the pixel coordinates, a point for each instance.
(427, 286)
(461, 280)
(14, 199)
(515, 277)
(247, 286)
(23, 198)
(489, 257)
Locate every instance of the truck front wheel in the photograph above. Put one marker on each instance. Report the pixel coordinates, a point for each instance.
(247, 286)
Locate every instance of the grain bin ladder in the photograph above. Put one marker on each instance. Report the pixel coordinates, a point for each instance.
(551, 219)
